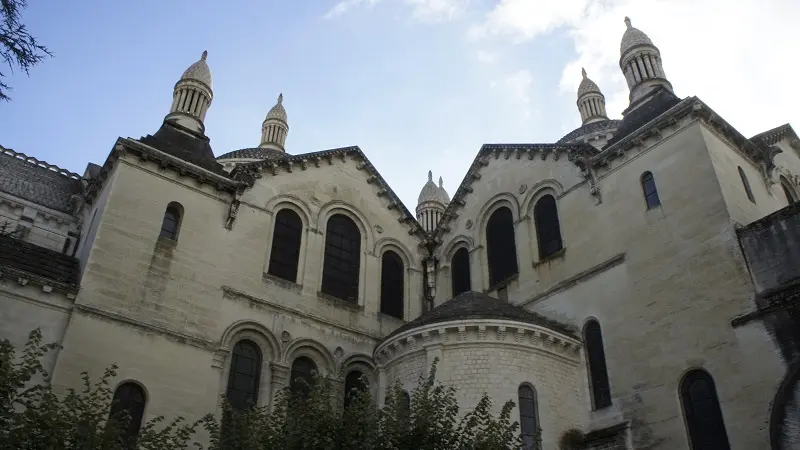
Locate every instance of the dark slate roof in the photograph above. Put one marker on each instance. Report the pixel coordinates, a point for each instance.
(186, 145)
(255, 153)
(36, 181)
(660, 101)
(589, 128)
(38, 261)
(475, 305)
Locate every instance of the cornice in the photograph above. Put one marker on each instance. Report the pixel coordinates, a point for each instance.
(24, 279)
(39, 163)
(487, 332)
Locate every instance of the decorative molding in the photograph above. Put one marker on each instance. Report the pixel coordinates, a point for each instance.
(577, 278)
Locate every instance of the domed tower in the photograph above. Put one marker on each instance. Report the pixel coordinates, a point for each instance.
(640, 61)
(192, 96)
(591, 102)
(431, 203)
(275, 127)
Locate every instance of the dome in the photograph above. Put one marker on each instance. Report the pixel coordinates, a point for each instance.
(583, 130)
(632, 38)
(277, 111)
(254, 153)
(199, 71)
(587, 85)
(432, 193)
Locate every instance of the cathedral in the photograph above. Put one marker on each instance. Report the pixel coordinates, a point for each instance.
(638, 280)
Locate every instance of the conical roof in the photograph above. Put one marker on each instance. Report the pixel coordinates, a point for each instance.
(587, 85)
(632, 38)
(278, 111)
(433, 193)
(199, 71)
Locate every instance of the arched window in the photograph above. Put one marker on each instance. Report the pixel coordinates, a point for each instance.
(500, 246)
(596, 358)
(171, 224)
(528, 416)
(392, 284)
(352, 383)
(406, 401)
(548, 229)
(791, 197)
(650, 191)
(746, 185)
(129, 401)
(460, 272)
(244, 375)
(701, 409)
(285, 254)
(342, 258)
(303, 371)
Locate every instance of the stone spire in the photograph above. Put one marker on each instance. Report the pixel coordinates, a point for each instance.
(275, 127)
(640, 62)
(431, 203)
(591, 102)
(192, 96)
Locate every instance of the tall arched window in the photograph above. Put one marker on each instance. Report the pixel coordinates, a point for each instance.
(791, 196)
(460, 272)
(129, 401)
(406, 401)
(650, 191)
(548, 229)
(171, 224)
(746, 185)
(500, 246)
(392, 284)
(596, 358)
(303, 371)
(342, 258)
(244, 375)
(528, 416)
(353, 382)
(286, 238)
(701, 409)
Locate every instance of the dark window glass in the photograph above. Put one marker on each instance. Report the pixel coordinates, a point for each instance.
(352, 383)
(406, 401)
(129, 398)
(746, 185)
(598, 374)
(392, 284)
(285, 254)
(501, 248)
(548, 230)
(650, 191)
(342, 258)
(528, 416)
(703, 415)
(171, 222)
(303, 370)
(460, 272)
(244, 376)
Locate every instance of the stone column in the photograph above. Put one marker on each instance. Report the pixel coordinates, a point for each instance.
(382, 386)
(522, 235)
(476, 269)
(280, 380)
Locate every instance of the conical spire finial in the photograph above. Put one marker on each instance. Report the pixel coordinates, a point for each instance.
(441, 182)
(280, 98)
(430, 175)
(205, 55)
(628, 22)
(583, 72)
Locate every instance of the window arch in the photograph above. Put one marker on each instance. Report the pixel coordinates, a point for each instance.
(704, 422)
(548, 228)
(286, 239)
(501, 249)
(746, 185)
(342, 263)
(244, 375)
(460, 275)
(303, 371)
(129, 400)
(171, 224)
(596, 359)
(352, 383)
(392, 284)
(650, 191)
(790, 194)
(406, 401)
(528, 416)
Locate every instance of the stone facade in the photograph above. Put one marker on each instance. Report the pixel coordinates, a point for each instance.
(699, 277)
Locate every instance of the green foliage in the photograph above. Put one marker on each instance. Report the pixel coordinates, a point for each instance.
(32, 417)
(17, 46)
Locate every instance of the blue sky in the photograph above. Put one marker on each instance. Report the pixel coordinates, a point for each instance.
(417, 84)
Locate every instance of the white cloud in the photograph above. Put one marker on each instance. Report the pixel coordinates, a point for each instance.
(517, 88)
(423, 10)
(486, 56)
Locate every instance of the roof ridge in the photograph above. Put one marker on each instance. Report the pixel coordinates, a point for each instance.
(39, 163)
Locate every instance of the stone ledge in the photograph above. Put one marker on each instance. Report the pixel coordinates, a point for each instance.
(339, 302)
(286, 284)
